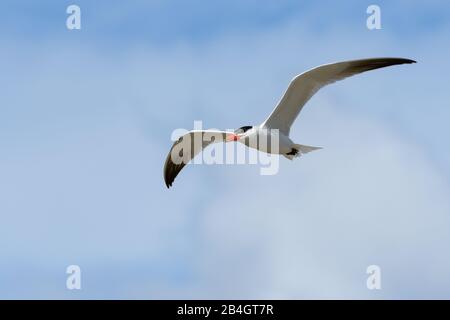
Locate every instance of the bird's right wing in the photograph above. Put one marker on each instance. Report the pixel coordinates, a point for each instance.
(186, 148)
(305, 85)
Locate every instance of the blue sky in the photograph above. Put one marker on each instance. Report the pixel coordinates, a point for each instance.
(85, 123)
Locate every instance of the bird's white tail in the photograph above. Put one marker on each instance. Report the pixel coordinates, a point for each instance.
(306, 149)
(300, 149)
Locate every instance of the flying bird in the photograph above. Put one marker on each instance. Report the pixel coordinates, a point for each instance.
(299, 91)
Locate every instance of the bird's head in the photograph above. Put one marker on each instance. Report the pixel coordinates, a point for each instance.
(238, 133)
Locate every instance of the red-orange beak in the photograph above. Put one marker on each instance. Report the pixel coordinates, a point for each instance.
(232, 137)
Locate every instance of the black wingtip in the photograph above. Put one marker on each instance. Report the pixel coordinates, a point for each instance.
(402, 60)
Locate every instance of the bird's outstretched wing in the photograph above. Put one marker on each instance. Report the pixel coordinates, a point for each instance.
(186, 148)
(305, 85)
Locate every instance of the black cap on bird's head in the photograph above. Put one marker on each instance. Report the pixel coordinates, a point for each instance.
(243, 129)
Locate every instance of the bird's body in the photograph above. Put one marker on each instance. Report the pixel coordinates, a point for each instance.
(259, 134)
(272, 136)
(265, 138)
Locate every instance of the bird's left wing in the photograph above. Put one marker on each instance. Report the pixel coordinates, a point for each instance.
(186, 148)
(305, 85)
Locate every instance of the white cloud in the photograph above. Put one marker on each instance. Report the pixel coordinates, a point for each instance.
(369, 197)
